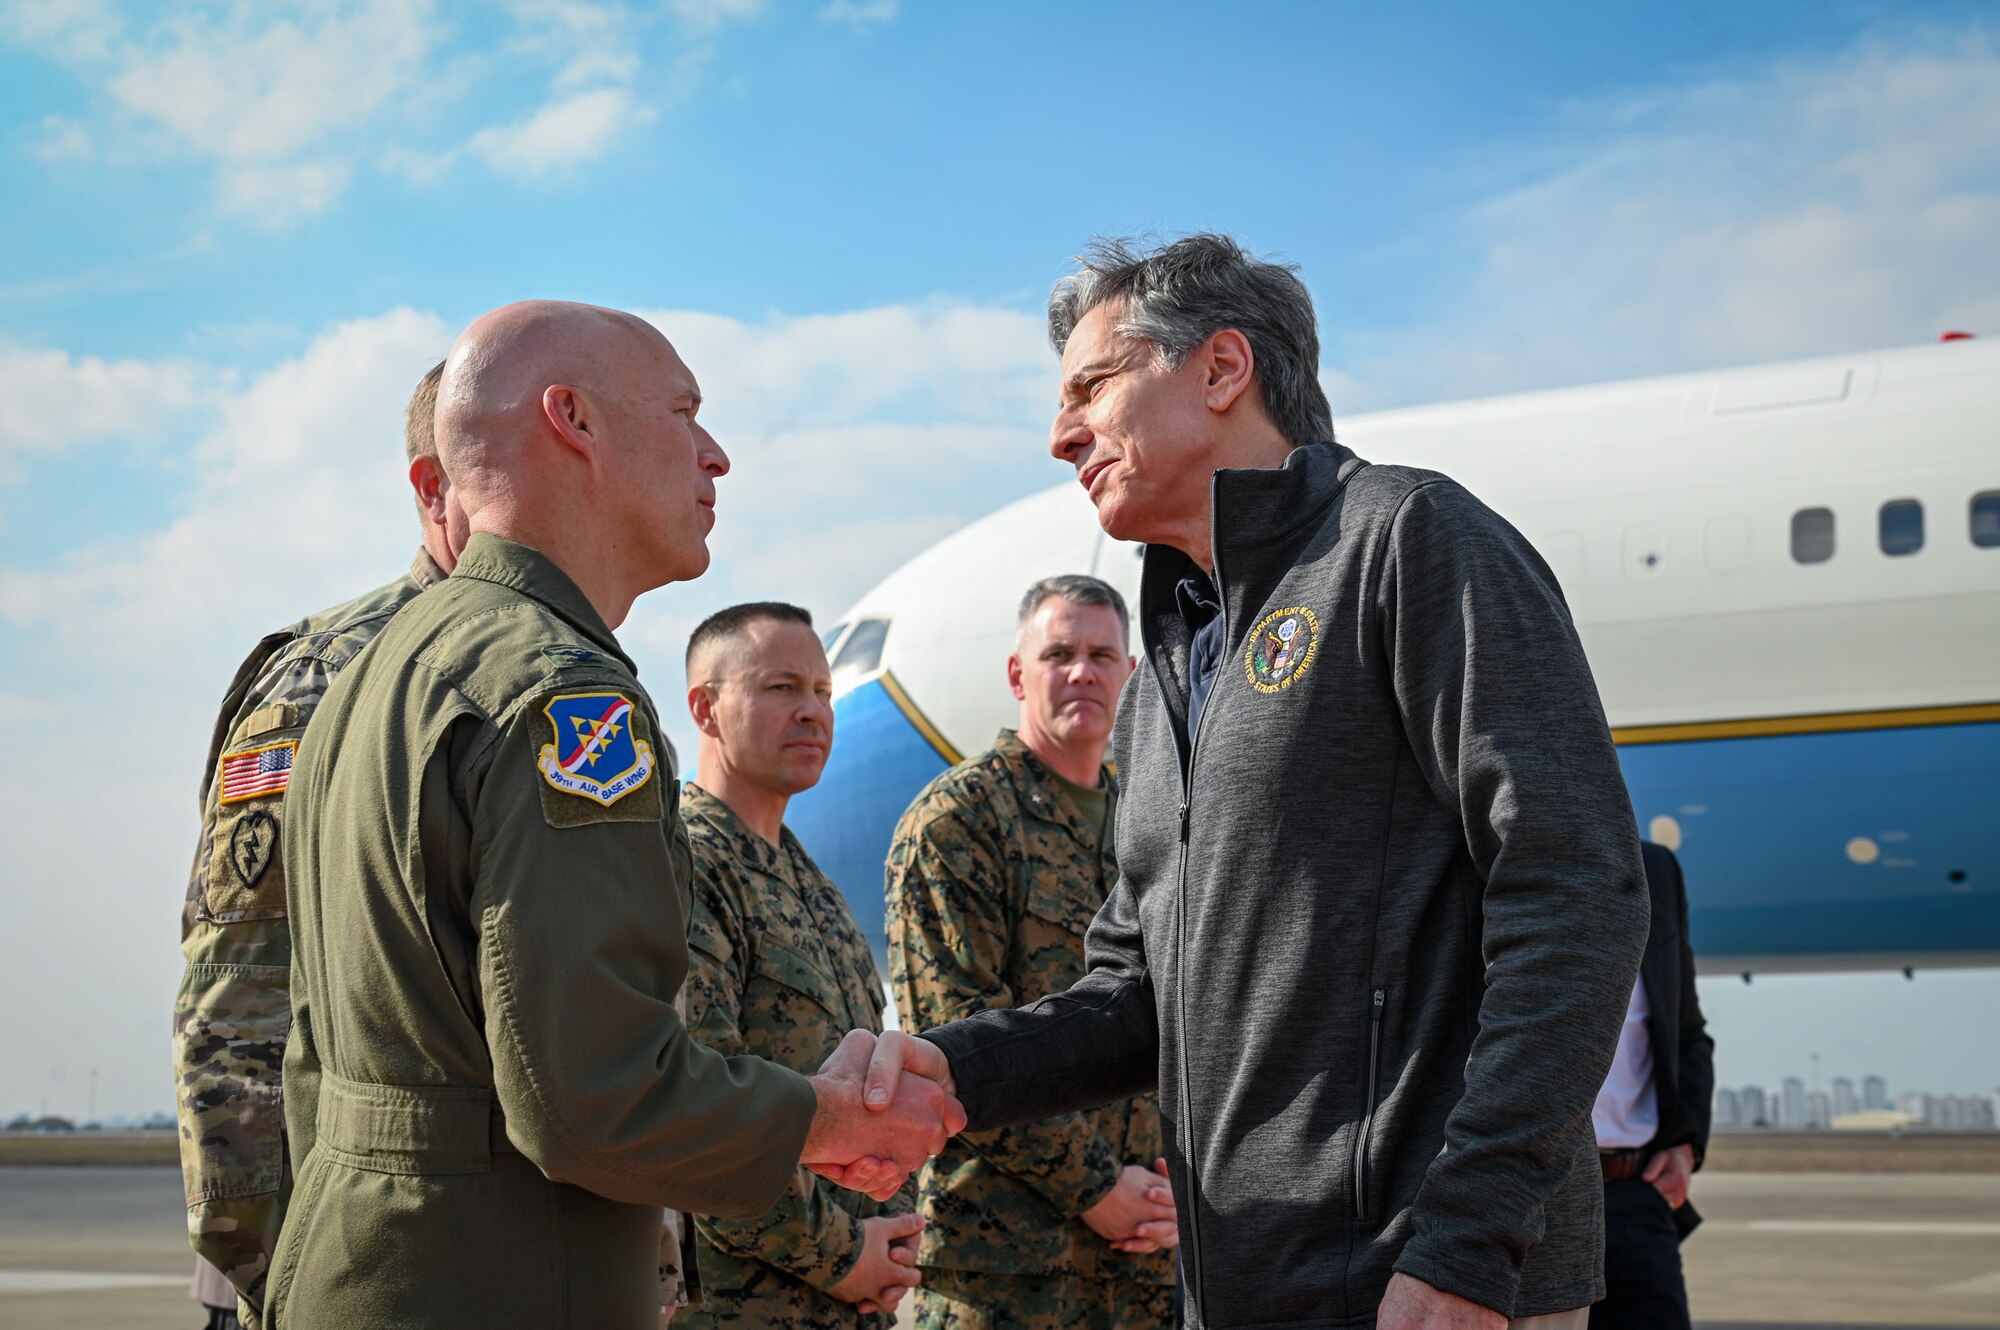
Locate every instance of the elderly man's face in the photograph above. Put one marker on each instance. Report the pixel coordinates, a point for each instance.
(667, 464)
(773, 706)
(1138, 435)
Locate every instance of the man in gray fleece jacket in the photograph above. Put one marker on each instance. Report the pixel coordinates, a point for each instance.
(1381, 902)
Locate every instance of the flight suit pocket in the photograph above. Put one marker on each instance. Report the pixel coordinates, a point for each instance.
(230, 1027)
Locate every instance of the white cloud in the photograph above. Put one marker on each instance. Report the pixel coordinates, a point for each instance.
(571, 130)
(53, 400)
(299, 498)
(1812, 207)
(244, 87)
(63, 140)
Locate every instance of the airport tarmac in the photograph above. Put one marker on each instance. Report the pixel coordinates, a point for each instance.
(104, 1247)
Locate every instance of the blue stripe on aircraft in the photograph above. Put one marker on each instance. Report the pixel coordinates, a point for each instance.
(1766, 827)
(879, 763)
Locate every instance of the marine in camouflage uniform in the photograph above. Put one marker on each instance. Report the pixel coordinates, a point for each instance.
(994, 876)
(233, 1011)
(777, 968)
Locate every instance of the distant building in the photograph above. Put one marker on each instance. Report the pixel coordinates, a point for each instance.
(1845, 1101)
(1875, 1093)
(1794, 1115)
(1753, 1110)
(1819, 1110)
(1728, 1108)
(1918, 1106)
(1979, 1113)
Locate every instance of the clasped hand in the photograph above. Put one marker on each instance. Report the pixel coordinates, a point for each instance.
(885, 1106)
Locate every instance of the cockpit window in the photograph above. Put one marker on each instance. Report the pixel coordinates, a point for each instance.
(831, 635)
(860, 654)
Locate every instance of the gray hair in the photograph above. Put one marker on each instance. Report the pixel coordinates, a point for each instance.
(1183, 293)
(1077, 589)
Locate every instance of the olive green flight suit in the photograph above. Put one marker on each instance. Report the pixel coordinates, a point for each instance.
(233, 1010)
(778, 969)
(490, 1092)
(994, 876)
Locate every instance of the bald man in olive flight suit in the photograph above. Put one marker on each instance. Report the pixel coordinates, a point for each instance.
(491, 892)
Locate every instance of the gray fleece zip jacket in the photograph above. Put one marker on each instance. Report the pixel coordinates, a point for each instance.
(1375, 931)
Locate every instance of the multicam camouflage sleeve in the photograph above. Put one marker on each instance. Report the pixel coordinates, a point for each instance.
(233, 1013)
(955, 917)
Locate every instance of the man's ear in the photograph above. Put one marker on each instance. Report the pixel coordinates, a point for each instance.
(701, 706)
(427, 478)
(1014, 674)
(574, 420)
(1231, 368)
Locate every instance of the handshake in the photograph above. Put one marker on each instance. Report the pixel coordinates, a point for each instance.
(888, 1102)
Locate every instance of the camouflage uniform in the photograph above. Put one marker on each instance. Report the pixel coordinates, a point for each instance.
(778, 968)
(993, 878)
(234, 1010)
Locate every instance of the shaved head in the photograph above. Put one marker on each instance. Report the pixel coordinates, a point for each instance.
(494, 379)
(571, 428)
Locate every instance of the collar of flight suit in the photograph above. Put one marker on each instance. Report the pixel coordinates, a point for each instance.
(1042, 795)
(495, 559)
(424, 570)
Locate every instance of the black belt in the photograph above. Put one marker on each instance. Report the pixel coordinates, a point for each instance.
(1619, 1165)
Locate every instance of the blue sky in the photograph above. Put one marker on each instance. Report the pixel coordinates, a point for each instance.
(235, 236)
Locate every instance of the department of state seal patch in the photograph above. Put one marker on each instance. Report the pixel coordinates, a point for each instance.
(1281, 649)
(596, 754)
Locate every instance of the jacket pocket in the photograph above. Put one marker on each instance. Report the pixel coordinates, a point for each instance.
(1377, 1002)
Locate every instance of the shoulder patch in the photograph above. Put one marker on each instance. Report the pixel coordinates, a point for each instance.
(257, 772)
(597, 754)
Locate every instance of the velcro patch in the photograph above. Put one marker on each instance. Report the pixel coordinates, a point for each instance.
(257, 772)
(597, 753)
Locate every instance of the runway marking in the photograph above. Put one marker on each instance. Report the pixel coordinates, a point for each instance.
(1983, 1284)
(1872, 1227)
(81, 1281)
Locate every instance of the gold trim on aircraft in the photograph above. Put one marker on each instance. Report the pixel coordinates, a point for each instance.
(915, 715)
(1830, 723)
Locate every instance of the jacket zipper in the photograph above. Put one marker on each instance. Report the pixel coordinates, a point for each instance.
(1375, 1006)
(1193, 1253)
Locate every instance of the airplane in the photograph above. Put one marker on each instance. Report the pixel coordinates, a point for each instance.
(1787, 580)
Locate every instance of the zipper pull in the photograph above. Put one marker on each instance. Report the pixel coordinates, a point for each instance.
(1184, 824)
(1375, 1011)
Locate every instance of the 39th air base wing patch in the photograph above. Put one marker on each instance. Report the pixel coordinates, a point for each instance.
(596, 754)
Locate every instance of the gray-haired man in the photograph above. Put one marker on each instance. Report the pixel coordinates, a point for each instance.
(1380, 900)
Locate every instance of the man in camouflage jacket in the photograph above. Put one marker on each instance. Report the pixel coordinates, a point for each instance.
(994, 876)
(779, 969)
(234, 1011)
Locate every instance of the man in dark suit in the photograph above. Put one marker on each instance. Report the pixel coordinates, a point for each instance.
(1652, 1121)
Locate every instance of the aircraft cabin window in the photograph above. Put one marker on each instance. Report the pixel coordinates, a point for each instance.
(861, 653)
(1902, 526)
(1812, 535)
(1986, 519)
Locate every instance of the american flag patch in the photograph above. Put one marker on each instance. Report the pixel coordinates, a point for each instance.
(258, 771)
